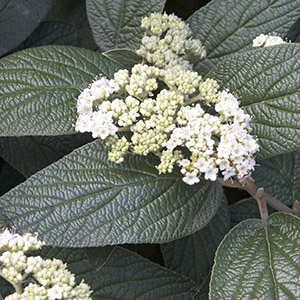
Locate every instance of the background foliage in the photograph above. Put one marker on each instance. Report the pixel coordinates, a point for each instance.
(79, 202)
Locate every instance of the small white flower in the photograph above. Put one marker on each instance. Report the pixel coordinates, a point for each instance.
(191, 178)
(274, 40)
(5, 237)
(202, 165)
(56, 292)
(228, 173)
(184, 163)
(259, 40)
(211, 173)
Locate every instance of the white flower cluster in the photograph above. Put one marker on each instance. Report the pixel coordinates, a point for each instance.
(264, 40)
(167, 41)
(52, 279)
(168, 109)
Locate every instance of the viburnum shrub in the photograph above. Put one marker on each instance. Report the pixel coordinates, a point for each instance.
(175, 139)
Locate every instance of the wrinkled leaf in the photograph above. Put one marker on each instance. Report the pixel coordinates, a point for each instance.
(243, 210)
(38, 88)
(74, 12)
(280, 177)
(85, 200)
(116, 273)
(262, 79)
(2, 223)
(116, 23)
(226, 27)
(18, 18)
(294, 33)
(9, 178)
(193, 256)
(6, 288)
(30, 154)
(124, 57)
(51, 33)
(252, 263)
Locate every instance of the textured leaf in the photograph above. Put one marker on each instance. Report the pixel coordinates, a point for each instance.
(38, 86)
(226, 27)
(6, 288)
(243, 210)
(2, 223)
(280, 176)
(30, 154)
(116, 23)
(268, 84)
(124, 57)
(294, 32)
(84, 200)
(51, 33)
(9, 178)
(252, 263)
(18, 18)
(116, 273)
(74, 11)
(193, 255)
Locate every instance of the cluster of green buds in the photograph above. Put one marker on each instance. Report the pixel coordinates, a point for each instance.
(47, 279)
(167, 107)
(167, 42)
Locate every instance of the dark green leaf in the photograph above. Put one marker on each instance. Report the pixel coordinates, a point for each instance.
(74, 12)
(38, 88)
(84, 200)
(294, 33)
(51, 33)
(257, 263)
(5, 288)
(18, 18)
(193, 255)
(116, 23)
(268, 84)
(30, 154)
(226, 27)
(280, 177)
(243, 210)
(124, 57)
(2, 223)
(9, 178)
(116, 273)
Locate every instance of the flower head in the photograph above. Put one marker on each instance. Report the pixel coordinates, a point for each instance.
(167, 108)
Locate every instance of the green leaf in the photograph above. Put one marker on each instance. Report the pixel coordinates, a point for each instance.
(280, 176)
(9, 178)
(257, 263)
(38, 88)
(267, 82)
(116, 23)
(226, 27)
(30, 154)
(294, 32)
(18, 19)
(124, 57)
(116, 273)
(243, 210)
(85, 200)
(2, 223)
(51, 33)
(193, 255)
(6, 288)
(74, 12)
